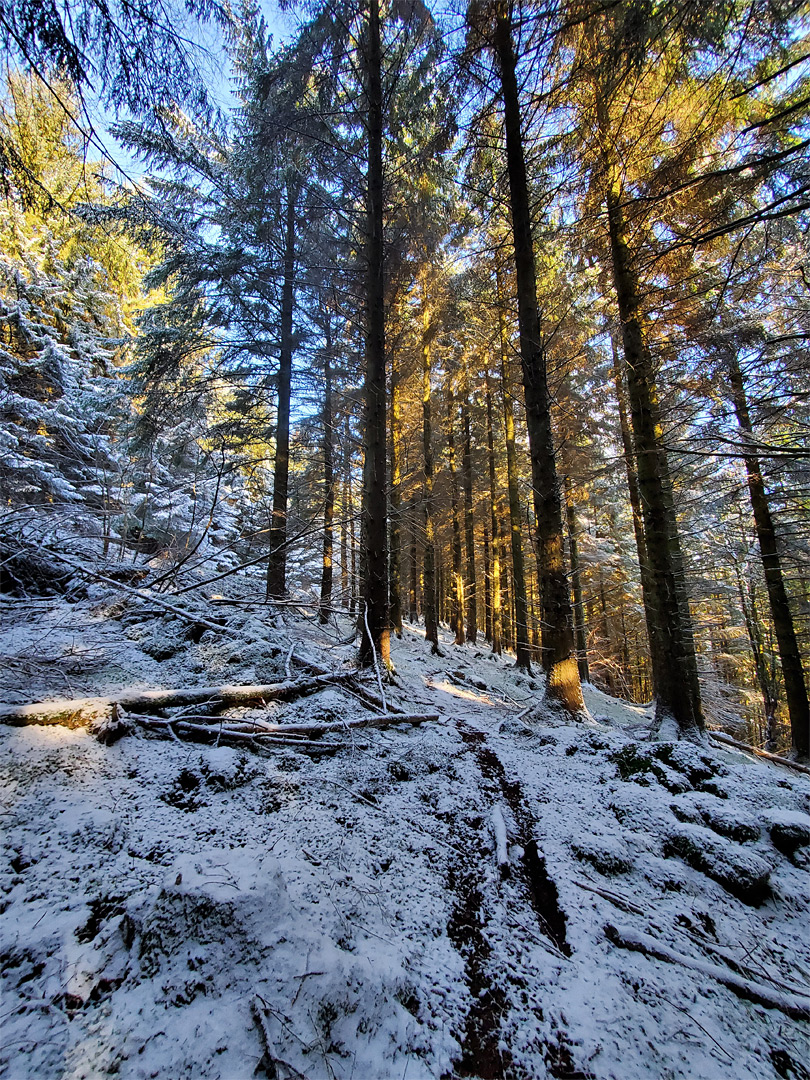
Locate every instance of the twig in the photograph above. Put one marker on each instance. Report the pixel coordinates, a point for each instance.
(614, 898)
(259, 1012)
(694, 1020)
(254, 740)
(288, 661)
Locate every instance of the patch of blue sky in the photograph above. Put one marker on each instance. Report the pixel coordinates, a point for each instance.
(208, 47)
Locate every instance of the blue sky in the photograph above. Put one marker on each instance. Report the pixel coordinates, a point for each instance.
(217, 75)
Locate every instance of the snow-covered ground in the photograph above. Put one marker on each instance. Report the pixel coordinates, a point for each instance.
(177, 910)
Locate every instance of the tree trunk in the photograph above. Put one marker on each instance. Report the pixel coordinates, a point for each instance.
(344, 546)
(375, 639)
(518, 592)
(767, 684)
(632, 488)
(329, 486)
(487, 589)
(429, 598)
(672, 648)
(795, 687)
(576, 585)
(559, 651)
(457, 614)
(469, 526)
(413, 603)
(277, 561)
(497, 535)
(395, 526)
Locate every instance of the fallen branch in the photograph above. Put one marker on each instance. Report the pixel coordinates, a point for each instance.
(262, 728)
(80, 710)
(229, 736)
(795, 1005)
(501, 850)
(721, 737)
(381, 721)
(144, 594)
(614, 898)
(260, 1009)
(204, 734)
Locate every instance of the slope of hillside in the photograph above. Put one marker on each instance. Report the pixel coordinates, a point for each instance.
(493, 893)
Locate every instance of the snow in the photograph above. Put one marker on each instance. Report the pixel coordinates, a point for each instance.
(171, 909)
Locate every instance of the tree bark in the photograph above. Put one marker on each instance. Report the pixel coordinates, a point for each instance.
(277, 561)
(580, 636)
(395, 525)
(632, 489)
(429, 598)
(496, 634)
(457, 616)
(72, 713)
(413, 602)
(792, 673)
(470, 591)
(375, 636)
(329, 485)
(559, 651)
(672, 647)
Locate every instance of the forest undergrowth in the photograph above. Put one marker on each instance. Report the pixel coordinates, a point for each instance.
(488, 890)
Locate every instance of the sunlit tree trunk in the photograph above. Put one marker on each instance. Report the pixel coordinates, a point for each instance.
(559, 650)
(765, 675)
(470, 584)
(576, 586)
(518, 591)
(457, 610)
(487, 588)
(497, 537)
(413, 596)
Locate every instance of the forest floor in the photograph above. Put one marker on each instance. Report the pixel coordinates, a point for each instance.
(495, 893)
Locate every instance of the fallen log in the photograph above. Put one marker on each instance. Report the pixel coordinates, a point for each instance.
(795, 1005)
(721, 737)
(262, 728)
(80, 710)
